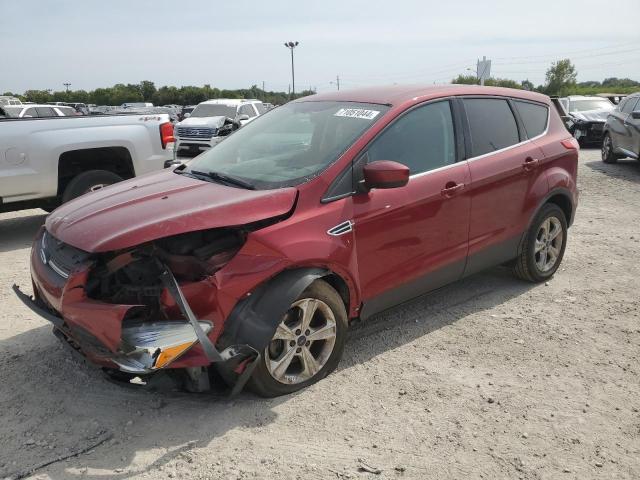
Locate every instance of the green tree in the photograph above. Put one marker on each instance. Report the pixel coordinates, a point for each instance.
(527, 85)
(561, 78)
(37, 96)
(147, 89)
(466, 80)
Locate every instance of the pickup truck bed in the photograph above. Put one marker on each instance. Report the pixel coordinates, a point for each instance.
(47, 161)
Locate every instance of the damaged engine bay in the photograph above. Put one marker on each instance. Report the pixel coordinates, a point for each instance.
(153, 335)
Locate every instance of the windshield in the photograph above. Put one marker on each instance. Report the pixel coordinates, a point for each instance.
(291, 144)
(214, 110)
(585, 105)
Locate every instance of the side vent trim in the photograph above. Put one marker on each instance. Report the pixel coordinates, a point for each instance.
(341, 229)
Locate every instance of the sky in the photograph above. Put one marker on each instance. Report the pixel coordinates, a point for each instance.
(237, 43)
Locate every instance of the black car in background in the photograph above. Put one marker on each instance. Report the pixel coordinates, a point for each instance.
(622, 131)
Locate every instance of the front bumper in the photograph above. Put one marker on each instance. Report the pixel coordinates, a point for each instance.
(589, 132)
(96, 329)
(195, 145)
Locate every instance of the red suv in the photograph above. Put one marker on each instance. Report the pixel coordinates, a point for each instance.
(248, 263)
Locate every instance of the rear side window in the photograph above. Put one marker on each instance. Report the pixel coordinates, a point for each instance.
(534, 117)
(423, 139)
(46, 112)
(247, 110)
(492, 124)
(629, 105)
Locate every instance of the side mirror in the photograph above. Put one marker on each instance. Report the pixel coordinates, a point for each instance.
(242, 118)
(187, 115)
(385, 174)
(635, 114)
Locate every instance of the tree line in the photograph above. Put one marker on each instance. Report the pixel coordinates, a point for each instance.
(146, 91)
(560, 80)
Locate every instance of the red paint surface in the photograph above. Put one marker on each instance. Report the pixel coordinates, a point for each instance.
(399, 234)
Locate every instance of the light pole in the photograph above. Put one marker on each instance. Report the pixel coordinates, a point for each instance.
(67, 85)
(291, 46)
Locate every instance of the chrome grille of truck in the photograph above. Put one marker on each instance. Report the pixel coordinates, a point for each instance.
(196, 132)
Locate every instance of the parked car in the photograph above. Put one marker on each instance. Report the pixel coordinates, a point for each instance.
(30, 110)
(66, 111)
(80, 108)
(622, 131)
(48, 161)
(252, 259)
(211, 121)
(7, 100)
(586, 117)
(136, 105)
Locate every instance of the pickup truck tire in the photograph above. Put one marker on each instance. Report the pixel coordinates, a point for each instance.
(87, 182)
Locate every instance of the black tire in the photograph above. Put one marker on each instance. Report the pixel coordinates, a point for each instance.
(527, 266)
(88, 181)
(263, 382)
(607, 153)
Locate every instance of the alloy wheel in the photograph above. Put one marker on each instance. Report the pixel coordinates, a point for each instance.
(303, 342)
(548, 244)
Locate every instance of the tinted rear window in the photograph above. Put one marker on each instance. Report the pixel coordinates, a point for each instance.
(533, 116)
(492, 124)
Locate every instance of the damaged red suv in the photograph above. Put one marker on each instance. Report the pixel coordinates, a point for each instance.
(248, 263)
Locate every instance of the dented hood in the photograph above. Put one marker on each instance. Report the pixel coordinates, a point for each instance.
(160, 205)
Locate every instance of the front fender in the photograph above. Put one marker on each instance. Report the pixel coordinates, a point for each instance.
(255, 318)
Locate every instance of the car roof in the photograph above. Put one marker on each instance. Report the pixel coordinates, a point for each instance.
(399, 94)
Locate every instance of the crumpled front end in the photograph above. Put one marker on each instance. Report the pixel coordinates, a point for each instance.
(141, 310)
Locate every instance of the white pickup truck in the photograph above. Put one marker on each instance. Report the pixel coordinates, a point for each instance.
(47, 161)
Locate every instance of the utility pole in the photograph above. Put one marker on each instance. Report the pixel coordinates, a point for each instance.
(67, 85)
(337, 82)
(291, 46)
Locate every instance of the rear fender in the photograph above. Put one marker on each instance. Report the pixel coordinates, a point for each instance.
(255, 318)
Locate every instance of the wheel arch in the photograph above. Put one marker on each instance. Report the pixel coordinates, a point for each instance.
(255, 318)
(113, 159)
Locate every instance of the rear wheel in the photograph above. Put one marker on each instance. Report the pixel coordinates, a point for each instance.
(608, 155)
(88, 182)
(307, 344)
(544, 245)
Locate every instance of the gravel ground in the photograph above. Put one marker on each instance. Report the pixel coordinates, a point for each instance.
(488, 378)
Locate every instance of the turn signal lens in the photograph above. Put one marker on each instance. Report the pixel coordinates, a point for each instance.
(168, 355)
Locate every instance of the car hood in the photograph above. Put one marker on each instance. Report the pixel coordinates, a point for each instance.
(215, 122)
(599, 115)
(159, 205)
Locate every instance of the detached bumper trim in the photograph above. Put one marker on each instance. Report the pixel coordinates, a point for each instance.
(33, 305)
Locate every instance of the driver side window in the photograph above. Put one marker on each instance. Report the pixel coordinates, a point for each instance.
(423, 139)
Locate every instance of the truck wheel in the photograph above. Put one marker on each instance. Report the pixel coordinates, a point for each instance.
(307, 345)
(88, 182)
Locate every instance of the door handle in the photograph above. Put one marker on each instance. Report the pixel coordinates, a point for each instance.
(451, 188)
(530, 164)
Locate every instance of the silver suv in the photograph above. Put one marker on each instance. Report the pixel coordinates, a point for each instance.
(211, 121)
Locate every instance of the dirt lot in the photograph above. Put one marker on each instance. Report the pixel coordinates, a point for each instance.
(488, 378)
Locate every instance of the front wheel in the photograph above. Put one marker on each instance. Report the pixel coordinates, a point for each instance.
(608, 155)
(307, 344)
(544, 245)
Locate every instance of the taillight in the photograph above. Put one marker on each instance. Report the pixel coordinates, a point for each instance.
(166, 134)
(570, 144)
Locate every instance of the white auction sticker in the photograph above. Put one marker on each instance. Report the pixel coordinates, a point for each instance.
(357, 113)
